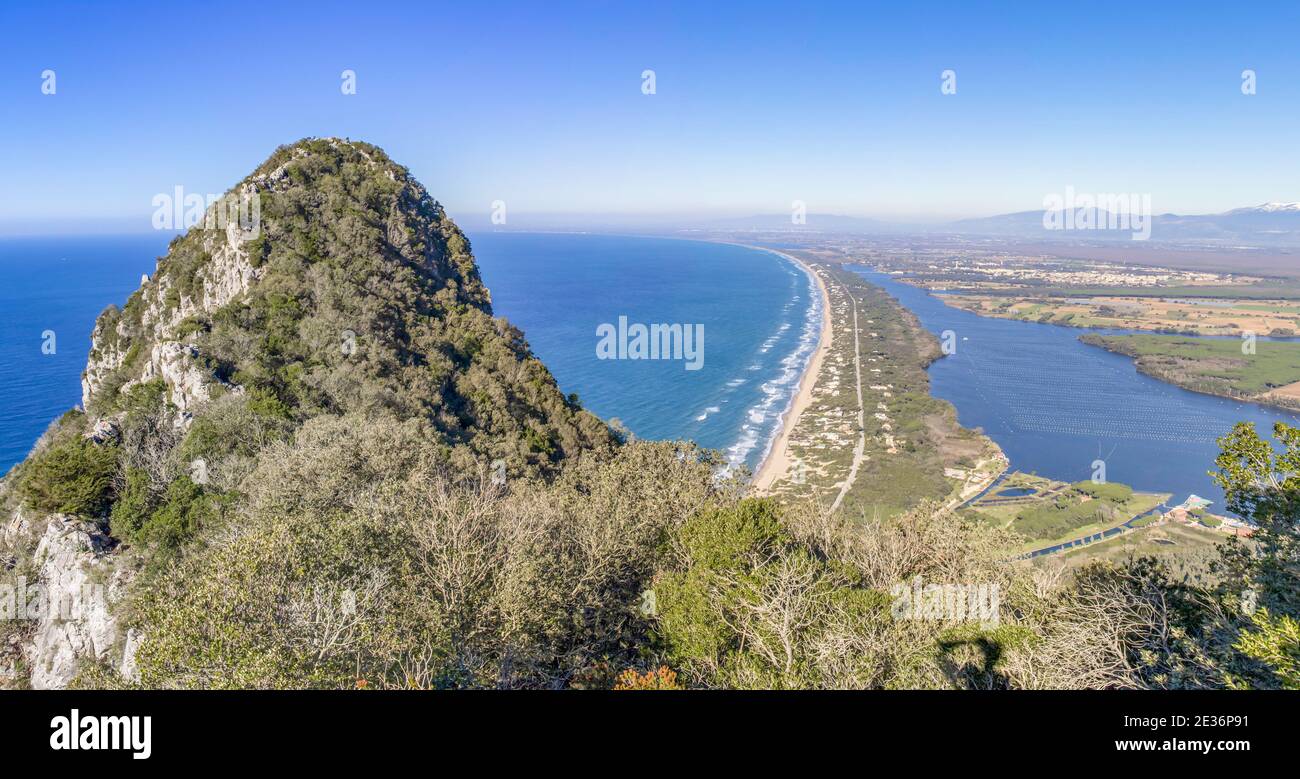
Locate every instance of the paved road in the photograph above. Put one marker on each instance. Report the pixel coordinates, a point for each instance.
(859, 452)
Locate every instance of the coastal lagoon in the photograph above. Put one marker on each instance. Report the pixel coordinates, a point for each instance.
(1053, 404)
(759, 313)
(1056, 405)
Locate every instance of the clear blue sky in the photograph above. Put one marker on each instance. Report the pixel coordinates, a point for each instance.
(540, 104)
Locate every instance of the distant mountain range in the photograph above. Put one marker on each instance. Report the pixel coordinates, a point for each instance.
(811, 222)
(1266, 224)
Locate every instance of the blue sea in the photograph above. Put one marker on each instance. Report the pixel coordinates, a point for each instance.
(760, 316)
(56, 285)
(1057, 406)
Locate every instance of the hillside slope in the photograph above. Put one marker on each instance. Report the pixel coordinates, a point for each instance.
(311, 458)
(326, 284)
(356, 293)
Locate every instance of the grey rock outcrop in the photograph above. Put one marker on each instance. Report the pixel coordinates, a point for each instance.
(188, 384)
(228, 273)
(79, 586)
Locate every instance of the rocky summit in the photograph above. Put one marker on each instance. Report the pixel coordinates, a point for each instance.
(327, 284)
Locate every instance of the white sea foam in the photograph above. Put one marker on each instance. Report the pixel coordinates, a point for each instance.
(707, 411)
(765, 418)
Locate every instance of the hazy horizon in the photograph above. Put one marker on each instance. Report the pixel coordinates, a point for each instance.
(924, 115)
(139, 224)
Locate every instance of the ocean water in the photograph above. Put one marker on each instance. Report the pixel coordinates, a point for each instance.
(760, 318)
(1056, 406)
(56, 285)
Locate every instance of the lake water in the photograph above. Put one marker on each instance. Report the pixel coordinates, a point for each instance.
(1056, 405)
(759, 312)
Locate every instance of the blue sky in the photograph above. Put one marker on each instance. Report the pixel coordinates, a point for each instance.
(540, 104)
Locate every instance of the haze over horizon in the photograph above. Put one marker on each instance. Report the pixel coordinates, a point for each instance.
(841, 108)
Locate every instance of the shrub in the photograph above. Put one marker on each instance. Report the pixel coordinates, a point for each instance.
(135, 502)
(183, 510)
(234, 425)
(74, 476)
(662, 678)
(454, 585)
(1275, 642)
(1106, 490)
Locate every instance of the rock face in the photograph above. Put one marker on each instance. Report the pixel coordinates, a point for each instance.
(74, 619)
(105, 358)
(226, 273)
(187, 384)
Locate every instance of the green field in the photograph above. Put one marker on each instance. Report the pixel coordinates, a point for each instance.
(1187, 551)
(1052, 525)
(1214, 365)
(1061, 512)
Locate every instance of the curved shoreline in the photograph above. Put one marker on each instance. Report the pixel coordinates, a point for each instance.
(776, 461)
(772, 442)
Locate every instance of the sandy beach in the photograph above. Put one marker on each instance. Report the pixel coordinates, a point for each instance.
(777, 462)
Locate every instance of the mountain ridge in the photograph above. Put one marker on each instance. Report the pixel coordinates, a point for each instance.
(1269, 224)
(346, 299)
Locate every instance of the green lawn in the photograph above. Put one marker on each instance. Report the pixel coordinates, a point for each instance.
(1070, 517)
(1285, 291)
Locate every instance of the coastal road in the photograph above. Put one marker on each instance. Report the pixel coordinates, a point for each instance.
(859, 452)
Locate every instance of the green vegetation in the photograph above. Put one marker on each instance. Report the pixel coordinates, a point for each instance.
(334, 518)
(1263, 485)
(351, 560)
(1189, 554)
(1111, 491)
(1057, 512)
(1261, 291)
(69, 475)
(1275, 643)
(1062, 517)
(353, 564)
(1213, 365)
(165, 521)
